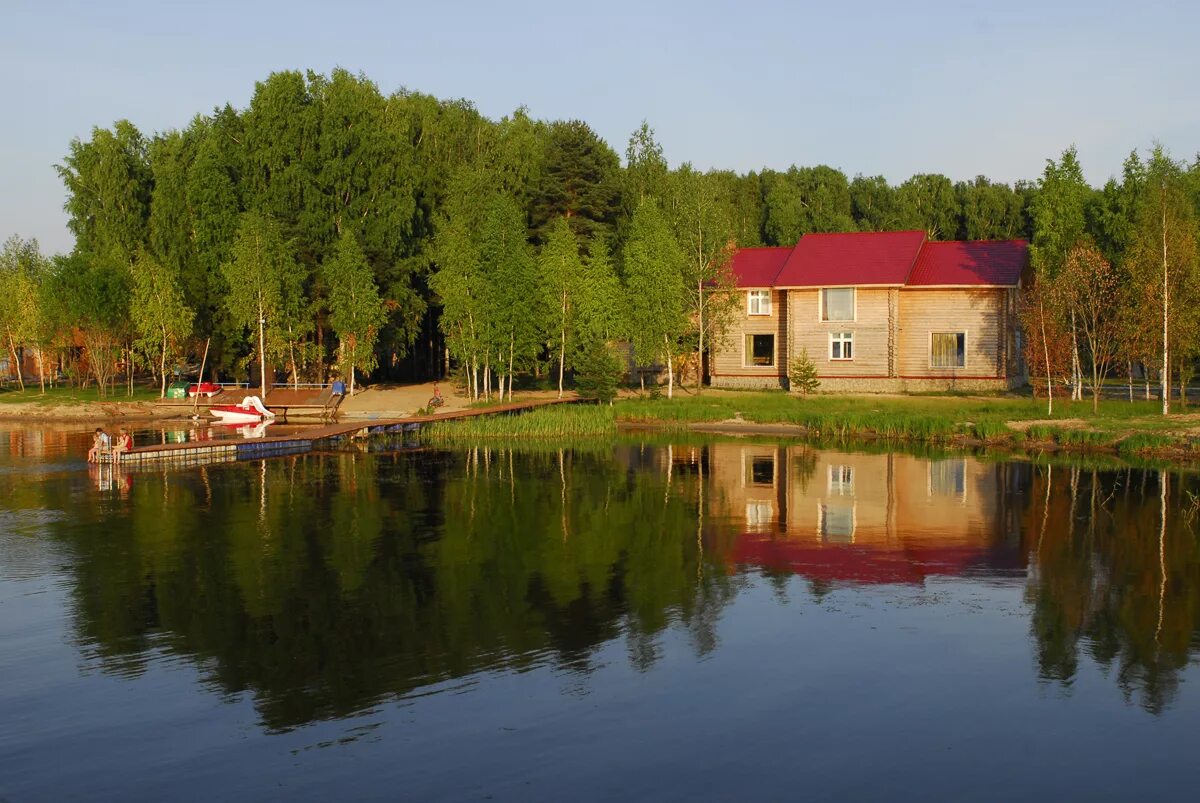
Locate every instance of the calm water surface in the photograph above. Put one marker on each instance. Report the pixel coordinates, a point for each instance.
(702, 620)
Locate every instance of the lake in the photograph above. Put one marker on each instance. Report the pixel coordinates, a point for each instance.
(647, 619)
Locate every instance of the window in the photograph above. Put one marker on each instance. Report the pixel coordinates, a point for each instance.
(836, 522)
(841, 345)
(760, 351)
(948, 350)
(837, 304)
(758, 302)
(761, 471)
(948, 478)
(759, 514)
(841, 480)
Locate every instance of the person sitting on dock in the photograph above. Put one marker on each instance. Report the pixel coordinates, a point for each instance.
(124, 444)
(101, 445)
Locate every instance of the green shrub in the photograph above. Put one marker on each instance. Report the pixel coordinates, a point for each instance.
(802, 374)
(598, 372)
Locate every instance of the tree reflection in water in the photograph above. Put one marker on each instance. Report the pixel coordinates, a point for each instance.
(1116, 575)
(325, 583)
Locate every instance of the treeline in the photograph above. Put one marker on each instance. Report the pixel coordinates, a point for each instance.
(329, 227)
(1116, 277)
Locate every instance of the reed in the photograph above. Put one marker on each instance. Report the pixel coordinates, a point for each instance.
(559, 422)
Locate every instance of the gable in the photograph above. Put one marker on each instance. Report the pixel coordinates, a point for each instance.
(856, 258)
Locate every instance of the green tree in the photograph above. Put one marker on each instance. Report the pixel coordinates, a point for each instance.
(927, 201)
(654, 289)
(161, 319)
(510, 291)
(802, 374)
(258, 276)
(21, 266)
(803, 200)
(704, 233)
(990, 210)
(1163, 256)
(356, 311)
(1058, 226)
(581, 182)
(873, 204)
(560, 275)
(108, 181)
(645, 169)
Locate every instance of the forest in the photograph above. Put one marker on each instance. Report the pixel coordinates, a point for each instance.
(331, 229)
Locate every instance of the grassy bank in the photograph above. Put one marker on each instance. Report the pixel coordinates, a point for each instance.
(65, 396)
(999, 422)
(1135, 428)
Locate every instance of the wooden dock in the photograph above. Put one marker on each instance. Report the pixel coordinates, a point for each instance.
(230, 450)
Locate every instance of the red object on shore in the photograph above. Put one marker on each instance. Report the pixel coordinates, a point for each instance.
(209, 389)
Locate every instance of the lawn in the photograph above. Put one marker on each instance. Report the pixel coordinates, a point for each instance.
(11, 394)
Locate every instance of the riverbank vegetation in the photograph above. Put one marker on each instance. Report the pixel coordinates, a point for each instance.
(1001, 422)
(329, 227)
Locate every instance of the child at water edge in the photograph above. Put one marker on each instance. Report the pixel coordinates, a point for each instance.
(124, 444)
(100, 445)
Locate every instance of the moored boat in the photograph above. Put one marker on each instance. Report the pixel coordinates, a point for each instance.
(249, 411)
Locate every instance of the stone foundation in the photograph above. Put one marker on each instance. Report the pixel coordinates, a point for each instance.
(749, 382)
(898, 385)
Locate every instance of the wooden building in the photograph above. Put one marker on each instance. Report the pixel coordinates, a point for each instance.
(854, 516)
(877, 312)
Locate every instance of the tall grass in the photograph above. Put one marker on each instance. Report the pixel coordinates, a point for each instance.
(558, 422)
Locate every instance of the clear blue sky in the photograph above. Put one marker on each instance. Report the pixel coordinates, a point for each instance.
(887, 88)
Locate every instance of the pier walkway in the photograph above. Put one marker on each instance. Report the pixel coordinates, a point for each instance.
(228, 450)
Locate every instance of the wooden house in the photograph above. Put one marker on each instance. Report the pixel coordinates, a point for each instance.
(877, 312)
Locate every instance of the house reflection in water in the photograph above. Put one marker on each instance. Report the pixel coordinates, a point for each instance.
(850, 517)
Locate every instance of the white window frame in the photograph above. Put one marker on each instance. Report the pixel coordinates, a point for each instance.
(843, 336)
(821, 305)
(960, 466)
(748, 353)
(966, 349)
(841, 480)
(760, 513)
(748, 471)
(823, 509)
(763, 297)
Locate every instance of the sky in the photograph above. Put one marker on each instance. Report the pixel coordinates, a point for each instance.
(879, 88)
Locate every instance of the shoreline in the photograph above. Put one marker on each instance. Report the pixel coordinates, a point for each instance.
(1172, 454)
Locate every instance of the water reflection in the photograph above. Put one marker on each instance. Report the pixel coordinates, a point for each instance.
(322, 584)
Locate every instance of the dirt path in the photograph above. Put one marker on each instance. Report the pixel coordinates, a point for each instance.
(399, 401)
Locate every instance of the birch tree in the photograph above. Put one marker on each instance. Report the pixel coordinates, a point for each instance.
(654, 289)
(1059, 225)
(161, 319)
(704, 232)
(258, 276)
(356, 310)
(560, 277)
(1090, 287)
(20, 262)
(1163, 254)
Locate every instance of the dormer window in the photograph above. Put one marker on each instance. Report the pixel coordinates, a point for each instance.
(758, 302)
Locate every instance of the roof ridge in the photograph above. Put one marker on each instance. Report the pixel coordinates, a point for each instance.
(916, 258)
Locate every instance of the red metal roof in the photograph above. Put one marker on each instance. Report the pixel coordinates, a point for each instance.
(757, 267)
(856, 258)
(976, 262)
(869, 565)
